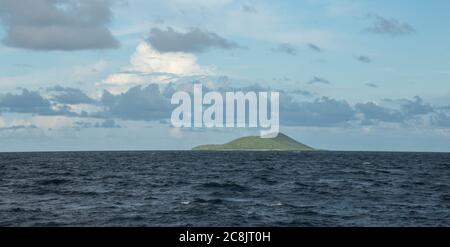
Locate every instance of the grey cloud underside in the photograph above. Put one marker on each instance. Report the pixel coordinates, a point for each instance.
(321, 112)
(31, 102)
(71, 96)
(409, 109)
(57, 24)
(416, 107)
(152, 103)
(194, 40)
(388, 26)
(137, 104)
(373, 111)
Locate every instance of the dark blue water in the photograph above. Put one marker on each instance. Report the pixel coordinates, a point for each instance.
(224, 189)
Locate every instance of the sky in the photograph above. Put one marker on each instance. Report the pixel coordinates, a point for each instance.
(99, 74)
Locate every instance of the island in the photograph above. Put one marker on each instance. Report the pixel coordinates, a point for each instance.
(255, 143)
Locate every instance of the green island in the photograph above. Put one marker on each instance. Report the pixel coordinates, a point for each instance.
(255, 143)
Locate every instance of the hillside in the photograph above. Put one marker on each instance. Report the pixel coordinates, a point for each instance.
(281, 142)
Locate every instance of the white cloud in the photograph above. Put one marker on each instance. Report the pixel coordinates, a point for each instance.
(147, 65)
(148, 60)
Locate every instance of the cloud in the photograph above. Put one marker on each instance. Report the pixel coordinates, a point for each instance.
(106, 124)
(148, 65)
(390, 27)
(417, 107)
(26, 102)
(31, 102)
(364, 59)
(57, 25)
(249, 9)
(152, 103)
(316, 80)
(314, 47)
(71, 96)
(137, 103)
(372, 85)
(441, 120)
(303, 93)
(285, 48)
(372, 111)
(409, 111)
(109, 124)
(194, 40)
(321, 112)
(18, 127)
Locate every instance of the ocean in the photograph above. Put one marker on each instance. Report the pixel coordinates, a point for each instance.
(187, 188)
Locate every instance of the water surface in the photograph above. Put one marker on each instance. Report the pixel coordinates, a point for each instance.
(224, 189)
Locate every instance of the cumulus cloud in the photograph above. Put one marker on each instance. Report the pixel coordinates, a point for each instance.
(152, 103)
(285, 48)
(71, 96)
(194, 40)
(320, 112)
(25, 102)
(31, 102)
(149, 65)
(416, 107)
(391, 27)
(372, 111)
(137, 103)
(57, 25)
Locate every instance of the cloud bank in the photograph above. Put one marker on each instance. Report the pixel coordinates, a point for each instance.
(152, 104)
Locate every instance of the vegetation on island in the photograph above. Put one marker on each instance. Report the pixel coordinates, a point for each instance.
(280, 143)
